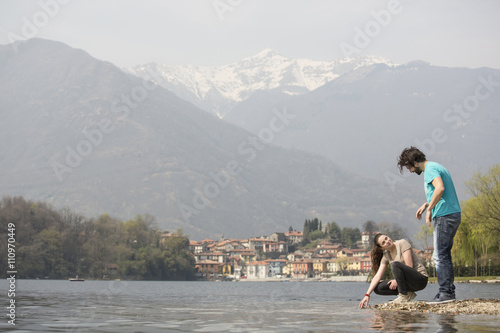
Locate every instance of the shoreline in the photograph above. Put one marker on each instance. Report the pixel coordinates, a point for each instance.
(361, 278)
(473, 281)
(477, 306)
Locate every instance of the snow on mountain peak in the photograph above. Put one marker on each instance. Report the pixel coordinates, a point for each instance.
(219, 88)
(267, 53)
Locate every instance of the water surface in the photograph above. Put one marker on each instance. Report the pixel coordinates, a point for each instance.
(133, 306)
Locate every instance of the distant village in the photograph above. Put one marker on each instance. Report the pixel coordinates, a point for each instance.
(268, 257)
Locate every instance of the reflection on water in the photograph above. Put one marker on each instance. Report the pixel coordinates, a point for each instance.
(104, 306)
(447, 324)
(388, 321)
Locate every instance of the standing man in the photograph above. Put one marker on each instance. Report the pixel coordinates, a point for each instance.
(444, 208)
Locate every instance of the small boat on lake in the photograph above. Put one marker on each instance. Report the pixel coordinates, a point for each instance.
(76, 279)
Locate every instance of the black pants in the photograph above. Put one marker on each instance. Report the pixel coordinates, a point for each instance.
(408, 279)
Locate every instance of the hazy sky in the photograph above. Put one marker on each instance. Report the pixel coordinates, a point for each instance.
(462, 33)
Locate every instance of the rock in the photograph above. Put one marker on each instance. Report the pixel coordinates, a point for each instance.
(472, 306)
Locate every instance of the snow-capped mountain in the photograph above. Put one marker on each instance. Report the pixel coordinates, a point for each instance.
(68, 138)
(220, 88)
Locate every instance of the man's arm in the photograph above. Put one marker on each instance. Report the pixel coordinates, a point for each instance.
(421, 210)
(436, 196)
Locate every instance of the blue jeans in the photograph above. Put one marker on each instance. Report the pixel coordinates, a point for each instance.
(445, 228)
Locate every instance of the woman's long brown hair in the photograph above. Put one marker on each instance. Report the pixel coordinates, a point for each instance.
(377, 254)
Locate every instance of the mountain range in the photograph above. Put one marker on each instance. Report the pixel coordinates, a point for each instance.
(359, 112)
(219, 89)
(81, 133)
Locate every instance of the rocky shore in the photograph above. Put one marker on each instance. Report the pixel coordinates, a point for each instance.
(470, 306)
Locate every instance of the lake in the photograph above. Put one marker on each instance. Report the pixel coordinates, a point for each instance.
(142, 306)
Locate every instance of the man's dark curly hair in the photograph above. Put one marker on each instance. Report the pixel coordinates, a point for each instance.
(409, 156)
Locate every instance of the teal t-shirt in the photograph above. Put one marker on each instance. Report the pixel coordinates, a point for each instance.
(449, 203)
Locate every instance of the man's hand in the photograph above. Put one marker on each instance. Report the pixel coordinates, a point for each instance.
(428, 218)
(393, 284)
(421, 210)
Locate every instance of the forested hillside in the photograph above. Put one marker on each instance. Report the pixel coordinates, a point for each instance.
(57, 244)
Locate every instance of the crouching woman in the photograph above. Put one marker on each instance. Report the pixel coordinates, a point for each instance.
(409, 273)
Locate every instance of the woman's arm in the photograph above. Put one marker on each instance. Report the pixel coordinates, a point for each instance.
(408, 258)
(375, 281)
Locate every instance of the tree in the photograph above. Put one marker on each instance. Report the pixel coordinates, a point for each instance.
(424, 236)
(394, 230)
(59, 244)
(464, 251)
(307, 229)
(334, 231)
(49, 249)
(342, 265)
(349, 236)
(179, 263)
(71, 239)
(138, 231)
(477, 239)
(484, 207)
(474, 243)
(316, 234)
(369, 227)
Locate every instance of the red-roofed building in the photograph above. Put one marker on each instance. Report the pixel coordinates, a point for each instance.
(276, 266)
(320, 266)
(260, 244)
(344, 253)
(211, 247)
(208, 269)
(303, 268)
(359, 252)
(334, 249)
(366, 264)
(192, 245)
(323, 243)
(258, 270)
(294, 237)
(275, 247)
(246, 255)
(425, 255)
(214, 256)
(309, 253)
(207, 241)
(354, 264)
(229, 244)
